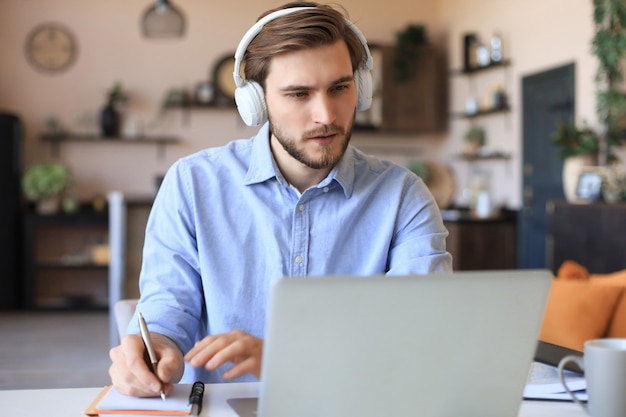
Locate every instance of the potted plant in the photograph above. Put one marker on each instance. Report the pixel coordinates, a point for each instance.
(614, 184)
(609, 18)
(574, 141)
(475, 138)
(579, 148)
(409, 42)
(45, 183)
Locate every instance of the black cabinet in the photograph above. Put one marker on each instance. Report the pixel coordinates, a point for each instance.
(487, 244)
(11, 134)
(594, 235)
(65, 260)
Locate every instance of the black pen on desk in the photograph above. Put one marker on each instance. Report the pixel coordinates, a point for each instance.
(145, 335)
(195, 398)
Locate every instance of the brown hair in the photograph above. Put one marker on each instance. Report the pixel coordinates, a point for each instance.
(299, 30)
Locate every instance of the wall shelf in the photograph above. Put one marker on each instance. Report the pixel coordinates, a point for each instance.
(495, 156)
(202, 106)
(482, 113)
(498, 108)
(55, 139)
(60, 264)
(465, 72)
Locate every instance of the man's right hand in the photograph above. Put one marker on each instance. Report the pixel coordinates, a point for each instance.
(132, 375)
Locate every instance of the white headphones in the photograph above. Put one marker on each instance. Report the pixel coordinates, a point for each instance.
(249, 95)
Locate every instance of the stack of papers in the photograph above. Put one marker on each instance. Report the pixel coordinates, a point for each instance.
(544, 384)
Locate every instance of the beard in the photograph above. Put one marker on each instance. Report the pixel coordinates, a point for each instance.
(329, 157)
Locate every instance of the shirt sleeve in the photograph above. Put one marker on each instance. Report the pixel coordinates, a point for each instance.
(419, 243)
(170, 279)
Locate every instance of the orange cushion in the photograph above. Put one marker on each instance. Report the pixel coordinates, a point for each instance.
(617, 279)
(577, 311)
(572, 270)
(618, 322)
(617, 327)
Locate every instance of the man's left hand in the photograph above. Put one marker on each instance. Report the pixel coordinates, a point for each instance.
(240, 348)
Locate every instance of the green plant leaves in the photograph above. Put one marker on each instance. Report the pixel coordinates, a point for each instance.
(45, 180)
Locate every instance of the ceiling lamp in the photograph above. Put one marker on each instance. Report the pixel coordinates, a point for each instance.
(163, 20)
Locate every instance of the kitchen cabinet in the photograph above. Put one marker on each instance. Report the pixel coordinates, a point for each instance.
(417, 104)
(65, 260)
(594, 235)
(482, 244)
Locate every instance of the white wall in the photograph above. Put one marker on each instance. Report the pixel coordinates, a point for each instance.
(111, 49)
(538, 34)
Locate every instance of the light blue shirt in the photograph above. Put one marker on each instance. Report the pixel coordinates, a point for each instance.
(226, 225)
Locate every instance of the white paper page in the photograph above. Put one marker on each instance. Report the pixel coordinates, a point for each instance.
(177, 400)
(544, 383)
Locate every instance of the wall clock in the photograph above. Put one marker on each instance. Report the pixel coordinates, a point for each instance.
(224, 82)
(51, 48)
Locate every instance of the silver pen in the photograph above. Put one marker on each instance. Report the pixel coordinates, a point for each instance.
(145, 335)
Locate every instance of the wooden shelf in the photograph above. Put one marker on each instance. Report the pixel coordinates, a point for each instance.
(69, 265)
(63, 137)
(200, 106)
(495, 156)
(504, 63)
(69, 303)
(482, 113)
(55, 139)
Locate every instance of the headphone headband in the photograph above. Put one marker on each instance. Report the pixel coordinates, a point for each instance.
(258, 26)
(251, 34)
(249, 95)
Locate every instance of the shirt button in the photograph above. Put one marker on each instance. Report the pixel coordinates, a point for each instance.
(299, 259)
(325, 189)
(301, 207)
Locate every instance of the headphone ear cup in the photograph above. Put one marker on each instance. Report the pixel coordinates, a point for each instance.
(364, 89)
(251, 104)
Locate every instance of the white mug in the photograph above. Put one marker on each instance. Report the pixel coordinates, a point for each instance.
(604, 364)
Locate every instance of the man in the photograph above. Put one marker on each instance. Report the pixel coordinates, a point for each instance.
(294, 201)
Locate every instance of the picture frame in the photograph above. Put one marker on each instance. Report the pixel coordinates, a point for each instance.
(589, 188)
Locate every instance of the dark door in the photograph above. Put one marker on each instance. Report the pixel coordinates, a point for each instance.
(547, 98)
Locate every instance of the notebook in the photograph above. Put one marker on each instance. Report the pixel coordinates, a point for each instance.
(433, 345)
(110, 402)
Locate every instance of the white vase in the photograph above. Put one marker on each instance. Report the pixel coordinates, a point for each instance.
(572, 167)
(48, 205)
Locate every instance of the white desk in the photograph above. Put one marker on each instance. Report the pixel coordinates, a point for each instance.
(72, 402)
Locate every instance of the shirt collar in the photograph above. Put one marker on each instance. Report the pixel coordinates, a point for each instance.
(263, 167)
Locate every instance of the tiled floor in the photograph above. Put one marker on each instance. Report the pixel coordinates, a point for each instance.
(53, 349)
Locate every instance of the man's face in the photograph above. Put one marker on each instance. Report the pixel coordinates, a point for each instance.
(311, 99)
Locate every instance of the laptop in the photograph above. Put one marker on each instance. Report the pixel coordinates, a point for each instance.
(458, 344)
(551, 354)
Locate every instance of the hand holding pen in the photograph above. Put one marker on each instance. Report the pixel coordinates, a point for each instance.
(145, 335)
